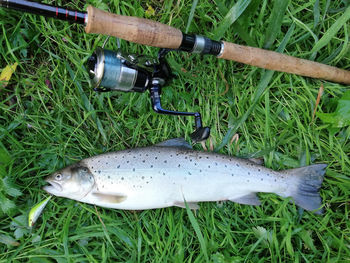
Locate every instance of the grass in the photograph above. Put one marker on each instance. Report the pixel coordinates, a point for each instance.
(50, 117)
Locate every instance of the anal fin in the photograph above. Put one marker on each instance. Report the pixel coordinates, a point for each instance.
(191, 205)
(249, 199)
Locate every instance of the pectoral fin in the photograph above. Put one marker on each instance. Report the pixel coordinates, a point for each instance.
(249, 199)
(109, 198)
(193, 205)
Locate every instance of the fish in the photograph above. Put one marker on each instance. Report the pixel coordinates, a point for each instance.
(172, 173)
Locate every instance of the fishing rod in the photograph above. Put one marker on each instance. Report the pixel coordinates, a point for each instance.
(115, 71)
(151, 33)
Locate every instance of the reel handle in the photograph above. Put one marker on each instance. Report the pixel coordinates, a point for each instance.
(200, 134)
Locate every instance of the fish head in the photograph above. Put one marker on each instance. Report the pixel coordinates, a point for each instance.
(73, 182)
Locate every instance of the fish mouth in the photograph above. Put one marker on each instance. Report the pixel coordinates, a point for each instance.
(53, 187)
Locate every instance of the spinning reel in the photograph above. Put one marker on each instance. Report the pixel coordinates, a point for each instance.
(114, 71)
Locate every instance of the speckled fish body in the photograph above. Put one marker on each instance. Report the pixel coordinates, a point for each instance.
(163, 176)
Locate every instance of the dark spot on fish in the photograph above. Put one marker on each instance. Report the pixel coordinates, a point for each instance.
(200, 157)
(122, 178)
(237, 164)
(147, 182)
(177, 154)
(216, 163)
(163, 173)
(95, 171)
(179, 165)
(186, 157)
(143, 161)
(200, 171)
(92, 167)
(158, 151)
(127, 161)
(151, 177)
(195, 163)
(142, 177)
(151, 165)
(140, 154)
(232, 174)
(99, 171)
(146, 154)
(248, 181)
(106, 162)
(225, 165)
(190, 160)
(207, 157)
(275, 180)
(208, 166)
(248, 173)
(134, 186)
(133, 169)
(171, 155)
(165, 161)
(262, 179)
(259, 170)
(134, 157)
(156, 157)
(189, 173)
(109, 177)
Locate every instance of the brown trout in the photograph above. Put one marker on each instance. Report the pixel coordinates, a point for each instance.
(172, 173)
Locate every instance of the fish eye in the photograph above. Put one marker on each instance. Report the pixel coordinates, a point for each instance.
(58, 177)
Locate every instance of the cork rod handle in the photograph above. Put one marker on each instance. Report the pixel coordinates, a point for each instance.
(284, 63)
(134, 29)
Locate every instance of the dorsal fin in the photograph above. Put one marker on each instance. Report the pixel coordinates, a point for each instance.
(177, 142)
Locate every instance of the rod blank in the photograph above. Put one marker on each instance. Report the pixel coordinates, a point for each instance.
(45, 10)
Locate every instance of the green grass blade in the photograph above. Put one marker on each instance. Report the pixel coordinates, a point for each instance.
(197, 229)
(276, 17)
(190, 18)
(235, 12)
(332, 31)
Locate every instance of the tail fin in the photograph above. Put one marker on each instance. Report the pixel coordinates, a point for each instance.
(309, 180)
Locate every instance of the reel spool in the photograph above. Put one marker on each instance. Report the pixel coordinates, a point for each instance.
(114, 71)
